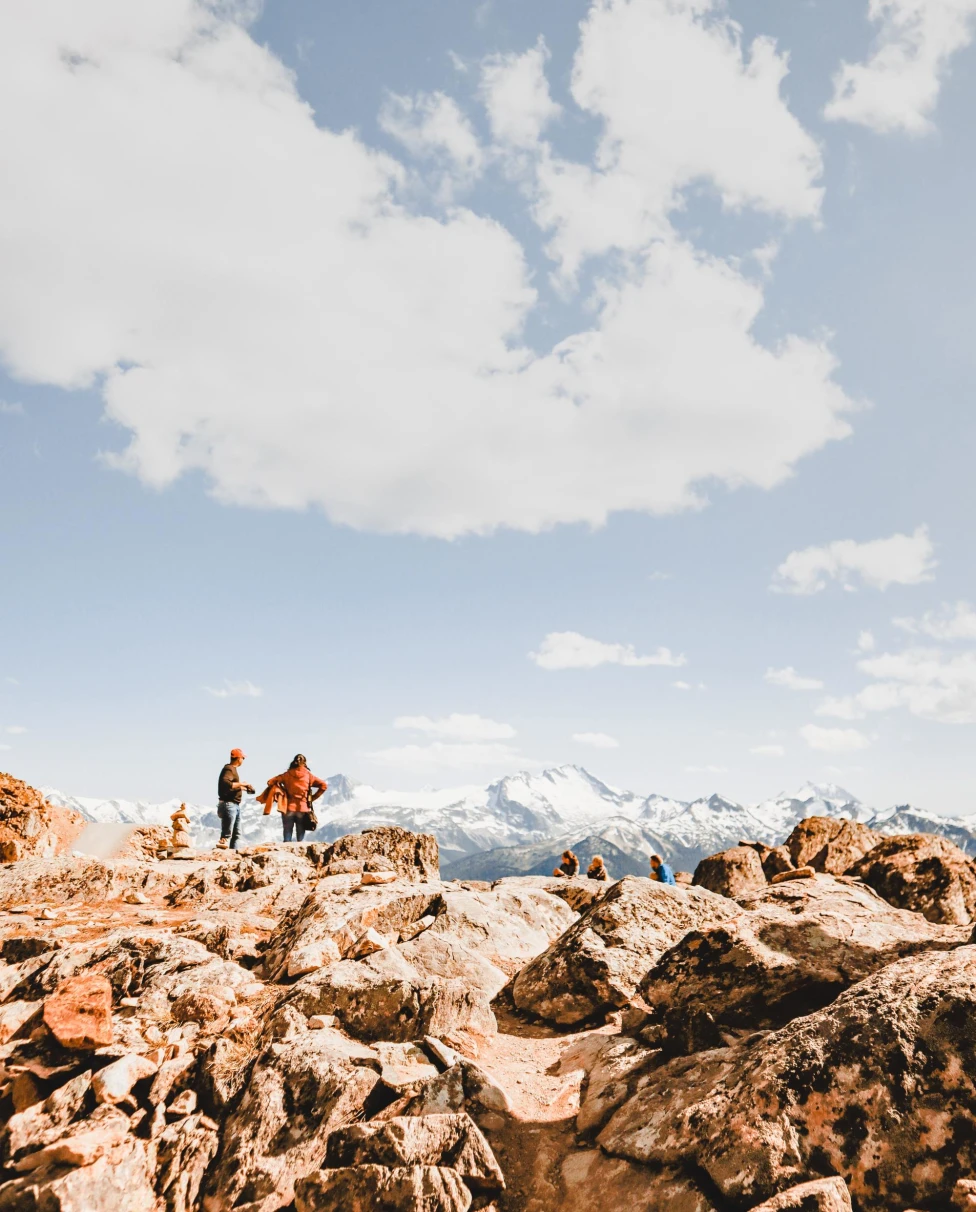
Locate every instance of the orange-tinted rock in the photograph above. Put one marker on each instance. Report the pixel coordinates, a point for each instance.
(923, 872)
(732, 872)
(29, 825)
(828, 844)
(79, 1012)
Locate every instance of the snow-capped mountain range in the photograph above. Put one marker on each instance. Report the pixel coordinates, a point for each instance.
(558, 806)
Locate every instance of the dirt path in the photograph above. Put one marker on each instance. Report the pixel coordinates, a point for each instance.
(542, 1071)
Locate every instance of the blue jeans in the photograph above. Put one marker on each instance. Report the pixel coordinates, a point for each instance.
(230, 821)
(297, 821)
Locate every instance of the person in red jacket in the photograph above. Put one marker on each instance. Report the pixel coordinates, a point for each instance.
(297, 790)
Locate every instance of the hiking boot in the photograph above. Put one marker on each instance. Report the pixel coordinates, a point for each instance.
(221, 844)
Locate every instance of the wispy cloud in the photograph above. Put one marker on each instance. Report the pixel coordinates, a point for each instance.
(834, 740)
(897, 88)
(598, 740)
(11, 408)
(570, 650)
(230, 690)
(951, 622)
(768, 750)
(706, 769)
(901, 559)
(789, 678)
(16, 729)
(457, 727)
(443, 755)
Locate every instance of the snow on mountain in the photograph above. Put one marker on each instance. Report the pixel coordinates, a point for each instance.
(554, 806)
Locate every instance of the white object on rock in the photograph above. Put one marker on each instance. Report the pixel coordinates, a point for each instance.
(136, 898)
(115, 1081)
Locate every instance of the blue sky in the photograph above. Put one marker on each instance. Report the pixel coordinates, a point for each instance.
(350, 351)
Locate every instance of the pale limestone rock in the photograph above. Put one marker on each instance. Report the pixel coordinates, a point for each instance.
(821, 1195)
(404, 1067)
(115, 1081)
(381, 1189)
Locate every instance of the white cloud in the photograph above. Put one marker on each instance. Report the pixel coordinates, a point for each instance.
(266, 303)
(952, 622)
(599, 740)
(845, 708)
(897, 88)
(680, 102)
(570, 650)
(834, 740)
(457, 727)
(865, 641)
(431, 125)
(789, 678)
(231, 690)
(445, 755)
(902, 559)
(16, 729)
(516, 95)
(768, 750)
(926, 681)
(681, 685)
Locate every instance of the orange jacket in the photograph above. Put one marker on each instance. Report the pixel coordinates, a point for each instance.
(296, 784)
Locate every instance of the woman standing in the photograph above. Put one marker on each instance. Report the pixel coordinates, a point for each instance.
(294, 793)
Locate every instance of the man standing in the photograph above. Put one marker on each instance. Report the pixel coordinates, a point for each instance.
(661, 872)
(229, 792)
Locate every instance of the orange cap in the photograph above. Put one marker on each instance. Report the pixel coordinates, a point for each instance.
(238, 753)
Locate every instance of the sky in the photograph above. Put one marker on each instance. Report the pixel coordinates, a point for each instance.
(447, 389)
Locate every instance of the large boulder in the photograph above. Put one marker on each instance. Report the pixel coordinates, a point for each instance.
(876, 1088)
(338, 915)
(384, 997)
(826, 843)
(800, 944)
(507, 926)
(597, 964)
(119, 1180)
(454, 1141)
(732, 872)
(372, 1188)
(923, 872)
(410, 855)
(298, 1093)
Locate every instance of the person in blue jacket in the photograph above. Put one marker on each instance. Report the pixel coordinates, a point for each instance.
(660, 871)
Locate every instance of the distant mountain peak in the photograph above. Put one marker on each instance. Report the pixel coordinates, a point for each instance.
(830, 792)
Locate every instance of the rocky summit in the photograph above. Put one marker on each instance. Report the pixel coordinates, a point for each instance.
(334, 1027)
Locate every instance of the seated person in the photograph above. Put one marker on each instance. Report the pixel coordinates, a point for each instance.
(568, 867)
(661, 871)
(597, 870)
